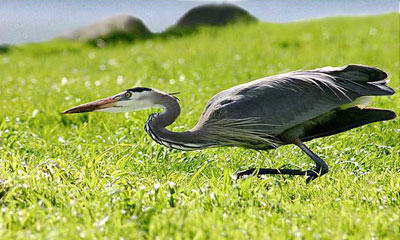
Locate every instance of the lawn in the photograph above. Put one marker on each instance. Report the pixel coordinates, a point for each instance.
(99, 176)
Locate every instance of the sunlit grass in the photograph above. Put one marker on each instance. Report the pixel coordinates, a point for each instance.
(99, 175)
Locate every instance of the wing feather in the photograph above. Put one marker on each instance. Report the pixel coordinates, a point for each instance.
(277, 103)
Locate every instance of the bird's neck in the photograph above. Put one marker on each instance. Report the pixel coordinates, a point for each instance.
(157, 123)
(170, 114)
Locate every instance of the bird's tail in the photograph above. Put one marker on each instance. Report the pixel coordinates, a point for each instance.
(365, 80)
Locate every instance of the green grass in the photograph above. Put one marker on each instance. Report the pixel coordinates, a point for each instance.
(100, 176)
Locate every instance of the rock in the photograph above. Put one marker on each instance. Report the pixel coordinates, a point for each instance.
(118, 27)
(214, 15)
(4, 48)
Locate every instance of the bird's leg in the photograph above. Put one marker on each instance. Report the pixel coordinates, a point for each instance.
(320, 166)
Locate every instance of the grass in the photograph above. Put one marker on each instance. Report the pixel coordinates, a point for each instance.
(99, 176)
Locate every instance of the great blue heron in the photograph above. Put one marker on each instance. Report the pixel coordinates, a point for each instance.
(266, 113)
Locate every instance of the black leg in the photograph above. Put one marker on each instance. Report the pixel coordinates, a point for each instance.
(320, 168)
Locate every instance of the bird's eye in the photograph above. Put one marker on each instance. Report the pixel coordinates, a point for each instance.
(128, 94)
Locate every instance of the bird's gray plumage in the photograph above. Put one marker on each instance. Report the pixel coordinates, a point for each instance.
(270, 106)
(289, 108)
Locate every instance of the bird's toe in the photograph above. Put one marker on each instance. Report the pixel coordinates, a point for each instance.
(242, 174)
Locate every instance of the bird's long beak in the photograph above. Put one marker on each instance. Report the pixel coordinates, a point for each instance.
(93, 106)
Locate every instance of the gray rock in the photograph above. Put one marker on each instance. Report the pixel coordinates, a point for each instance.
(214, 15)
(118, 27)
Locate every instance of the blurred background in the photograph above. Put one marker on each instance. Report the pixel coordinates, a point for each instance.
(25, 21)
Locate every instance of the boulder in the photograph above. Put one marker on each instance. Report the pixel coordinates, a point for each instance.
(214, 15)
(4, 48)
(118, 27)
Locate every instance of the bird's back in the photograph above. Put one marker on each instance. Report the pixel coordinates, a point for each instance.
(270, 106)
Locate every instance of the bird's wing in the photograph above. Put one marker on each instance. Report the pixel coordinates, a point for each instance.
(275, 104)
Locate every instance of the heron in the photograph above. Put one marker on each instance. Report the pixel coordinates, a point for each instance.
(264, 114)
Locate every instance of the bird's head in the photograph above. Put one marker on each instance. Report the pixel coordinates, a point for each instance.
(130, 100)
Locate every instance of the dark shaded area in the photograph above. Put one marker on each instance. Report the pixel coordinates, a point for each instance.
(289, 44)
(3, 192)
(344, 120)
(217, 15)
(4, 48)
(214, 15)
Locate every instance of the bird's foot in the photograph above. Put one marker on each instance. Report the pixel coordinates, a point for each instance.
(310, 174)
(316, 172)
(244, 174)
(264, 171)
